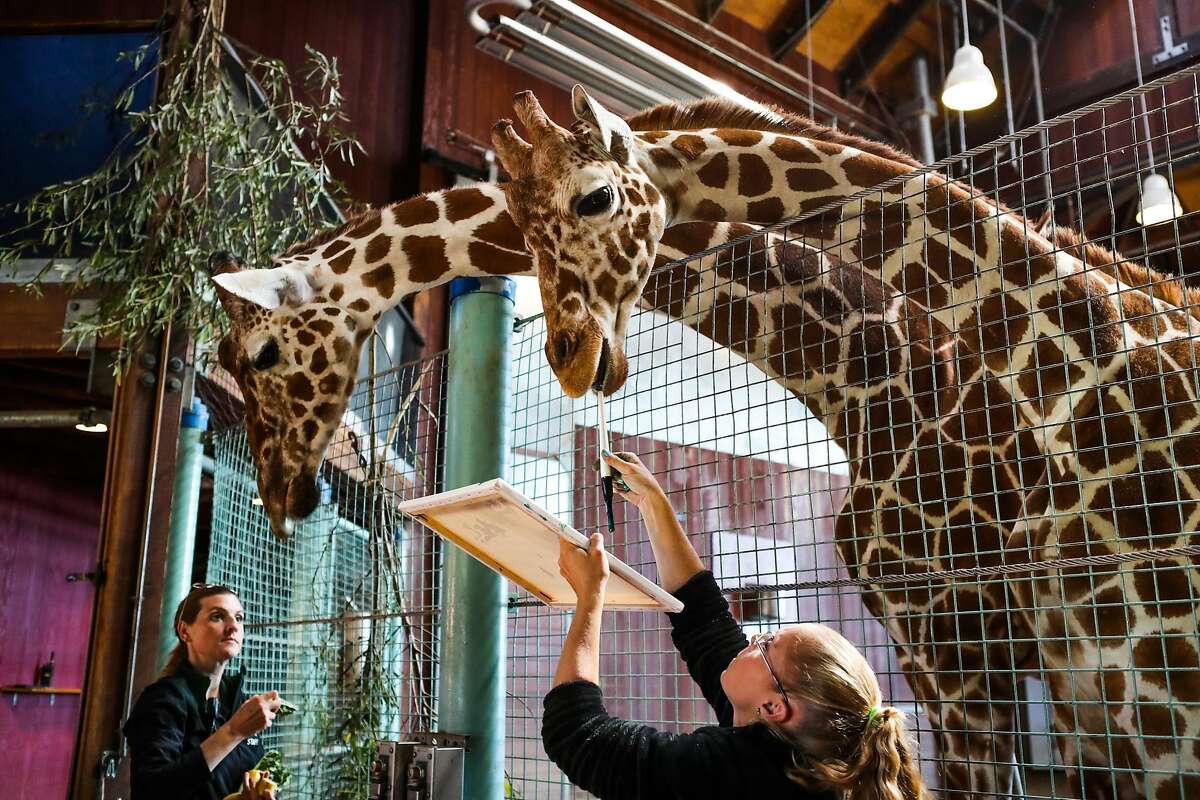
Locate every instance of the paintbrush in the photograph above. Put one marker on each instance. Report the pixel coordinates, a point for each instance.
(606, 479)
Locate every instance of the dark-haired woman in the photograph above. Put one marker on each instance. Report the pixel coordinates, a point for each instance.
(193, 734)
(799, 710)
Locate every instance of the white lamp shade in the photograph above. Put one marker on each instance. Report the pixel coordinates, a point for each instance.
(1158, 203)
(970, 84)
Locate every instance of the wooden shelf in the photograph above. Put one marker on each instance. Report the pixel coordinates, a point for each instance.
(52, 691)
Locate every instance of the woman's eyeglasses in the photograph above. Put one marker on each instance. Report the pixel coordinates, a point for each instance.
(763, 640)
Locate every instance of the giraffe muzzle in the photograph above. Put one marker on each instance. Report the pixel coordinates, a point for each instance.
(303, 496)
(601, 378)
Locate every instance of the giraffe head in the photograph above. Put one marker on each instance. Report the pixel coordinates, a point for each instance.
(294, 354)
(592, 219)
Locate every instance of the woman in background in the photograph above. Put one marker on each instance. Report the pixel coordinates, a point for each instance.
(193, 733)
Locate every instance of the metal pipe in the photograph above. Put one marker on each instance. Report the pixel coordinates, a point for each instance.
(558, 57)
(56, 418)
(577, 22)
(474, 605)
(925, 108)
(181, 538)
(591, 28)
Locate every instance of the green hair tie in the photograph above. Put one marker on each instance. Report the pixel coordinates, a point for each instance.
(873, 717)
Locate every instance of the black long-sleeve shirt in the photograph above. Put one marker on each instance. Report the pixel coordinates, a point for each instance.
(169, 722)
(615, 759)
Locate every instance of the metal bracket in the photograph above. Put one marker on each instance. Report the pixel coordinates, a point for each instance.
(78, 310)
(441, 739)
(1170, 49)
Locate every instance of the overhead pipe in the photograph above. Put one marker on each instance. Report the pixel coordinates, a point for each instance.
(514, 36)
(924, 109)
(507, 35)
(591, 28)
(54, 418)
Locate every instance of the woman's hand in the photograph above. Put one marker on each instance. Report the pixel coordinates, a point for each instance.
(254, 715)
(257, 785)
(640, 486)
(587, 572)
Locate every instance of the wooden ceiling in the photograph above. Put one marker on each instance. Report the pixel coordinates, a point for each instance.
(867, 44)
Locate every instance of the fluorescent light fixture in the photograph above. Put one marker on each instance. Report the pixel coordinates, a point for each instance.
(559, 41)
(970, 84)
(1158, 204)
(92, 420)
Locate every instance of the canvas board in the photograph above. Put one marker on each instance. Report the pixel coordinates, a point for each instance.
(516, 537)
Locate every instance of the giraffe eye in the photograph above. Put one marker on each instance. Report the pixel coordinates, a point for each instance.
(267, 357)
(594, 203)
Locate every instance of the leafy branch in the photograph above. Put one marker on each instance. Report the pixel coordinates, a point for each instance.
(223, 159)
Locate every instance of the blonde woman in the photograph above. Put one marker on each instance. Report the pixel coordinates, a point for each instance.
(799, 710)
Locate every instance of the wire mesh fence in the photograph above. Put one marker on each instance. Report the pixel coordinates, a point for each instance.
(341, 617)
(956, 429)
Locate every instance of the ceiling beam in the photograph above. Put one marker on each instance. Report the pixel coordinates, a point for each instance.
(792, 24)
(890, 27)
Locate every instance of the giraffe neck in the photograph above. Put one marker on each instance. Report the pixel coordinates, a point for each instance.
(1038, 320)
(375, 261)
(837, 339)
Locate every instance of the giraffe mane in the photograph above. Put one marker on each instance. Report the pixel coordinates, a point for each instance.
(717, 112)
(327, 235)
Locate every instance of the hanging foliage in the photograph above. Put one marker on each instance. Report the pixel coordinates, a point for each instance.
(226, 157)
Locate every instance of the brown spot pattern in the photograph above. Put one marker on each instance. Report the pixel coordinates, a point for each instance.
(793, 151)
(867, 170)
(709, 211)
(739, 138)
(426, 257)
(299, 387)
(465, 203)
(764, 212)
(378, 248)
(342, 263)
(806, 179)
(716, 172)
(382, 279)
(417, 211)
(754, 176)
(690, 145)
(497, 261)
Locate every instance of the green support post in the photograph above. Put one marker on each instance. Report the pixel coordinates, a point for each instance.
(473, 597)
(181, 539)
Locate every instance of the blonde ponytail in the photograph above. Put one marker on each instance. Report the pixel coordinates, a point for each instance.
(849, 742)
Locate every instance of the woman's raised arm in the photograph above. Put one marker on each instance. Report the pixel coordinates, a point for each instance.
(676, 558)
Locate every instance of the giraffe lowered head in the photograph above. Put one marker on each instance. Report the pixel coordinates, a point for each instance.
(293, 353)
(584, 183)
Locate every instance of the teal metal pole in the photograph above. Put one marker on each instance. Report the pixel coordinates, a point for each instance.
(181, 539)
(473, 599)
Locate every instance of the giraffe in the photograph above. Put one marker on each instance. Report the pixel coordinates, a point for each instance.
(297, 329)
(1091, 377)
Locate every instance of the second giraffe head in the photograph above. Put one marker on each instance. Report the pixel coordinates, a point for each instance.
(588, 183)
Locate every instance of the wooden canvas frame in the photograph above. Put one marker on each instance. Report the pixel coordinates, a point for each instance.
(517, 538)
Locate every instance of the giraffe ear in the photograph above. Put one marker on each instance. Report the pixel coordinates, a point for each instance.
(607, 129)
(269, 288)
